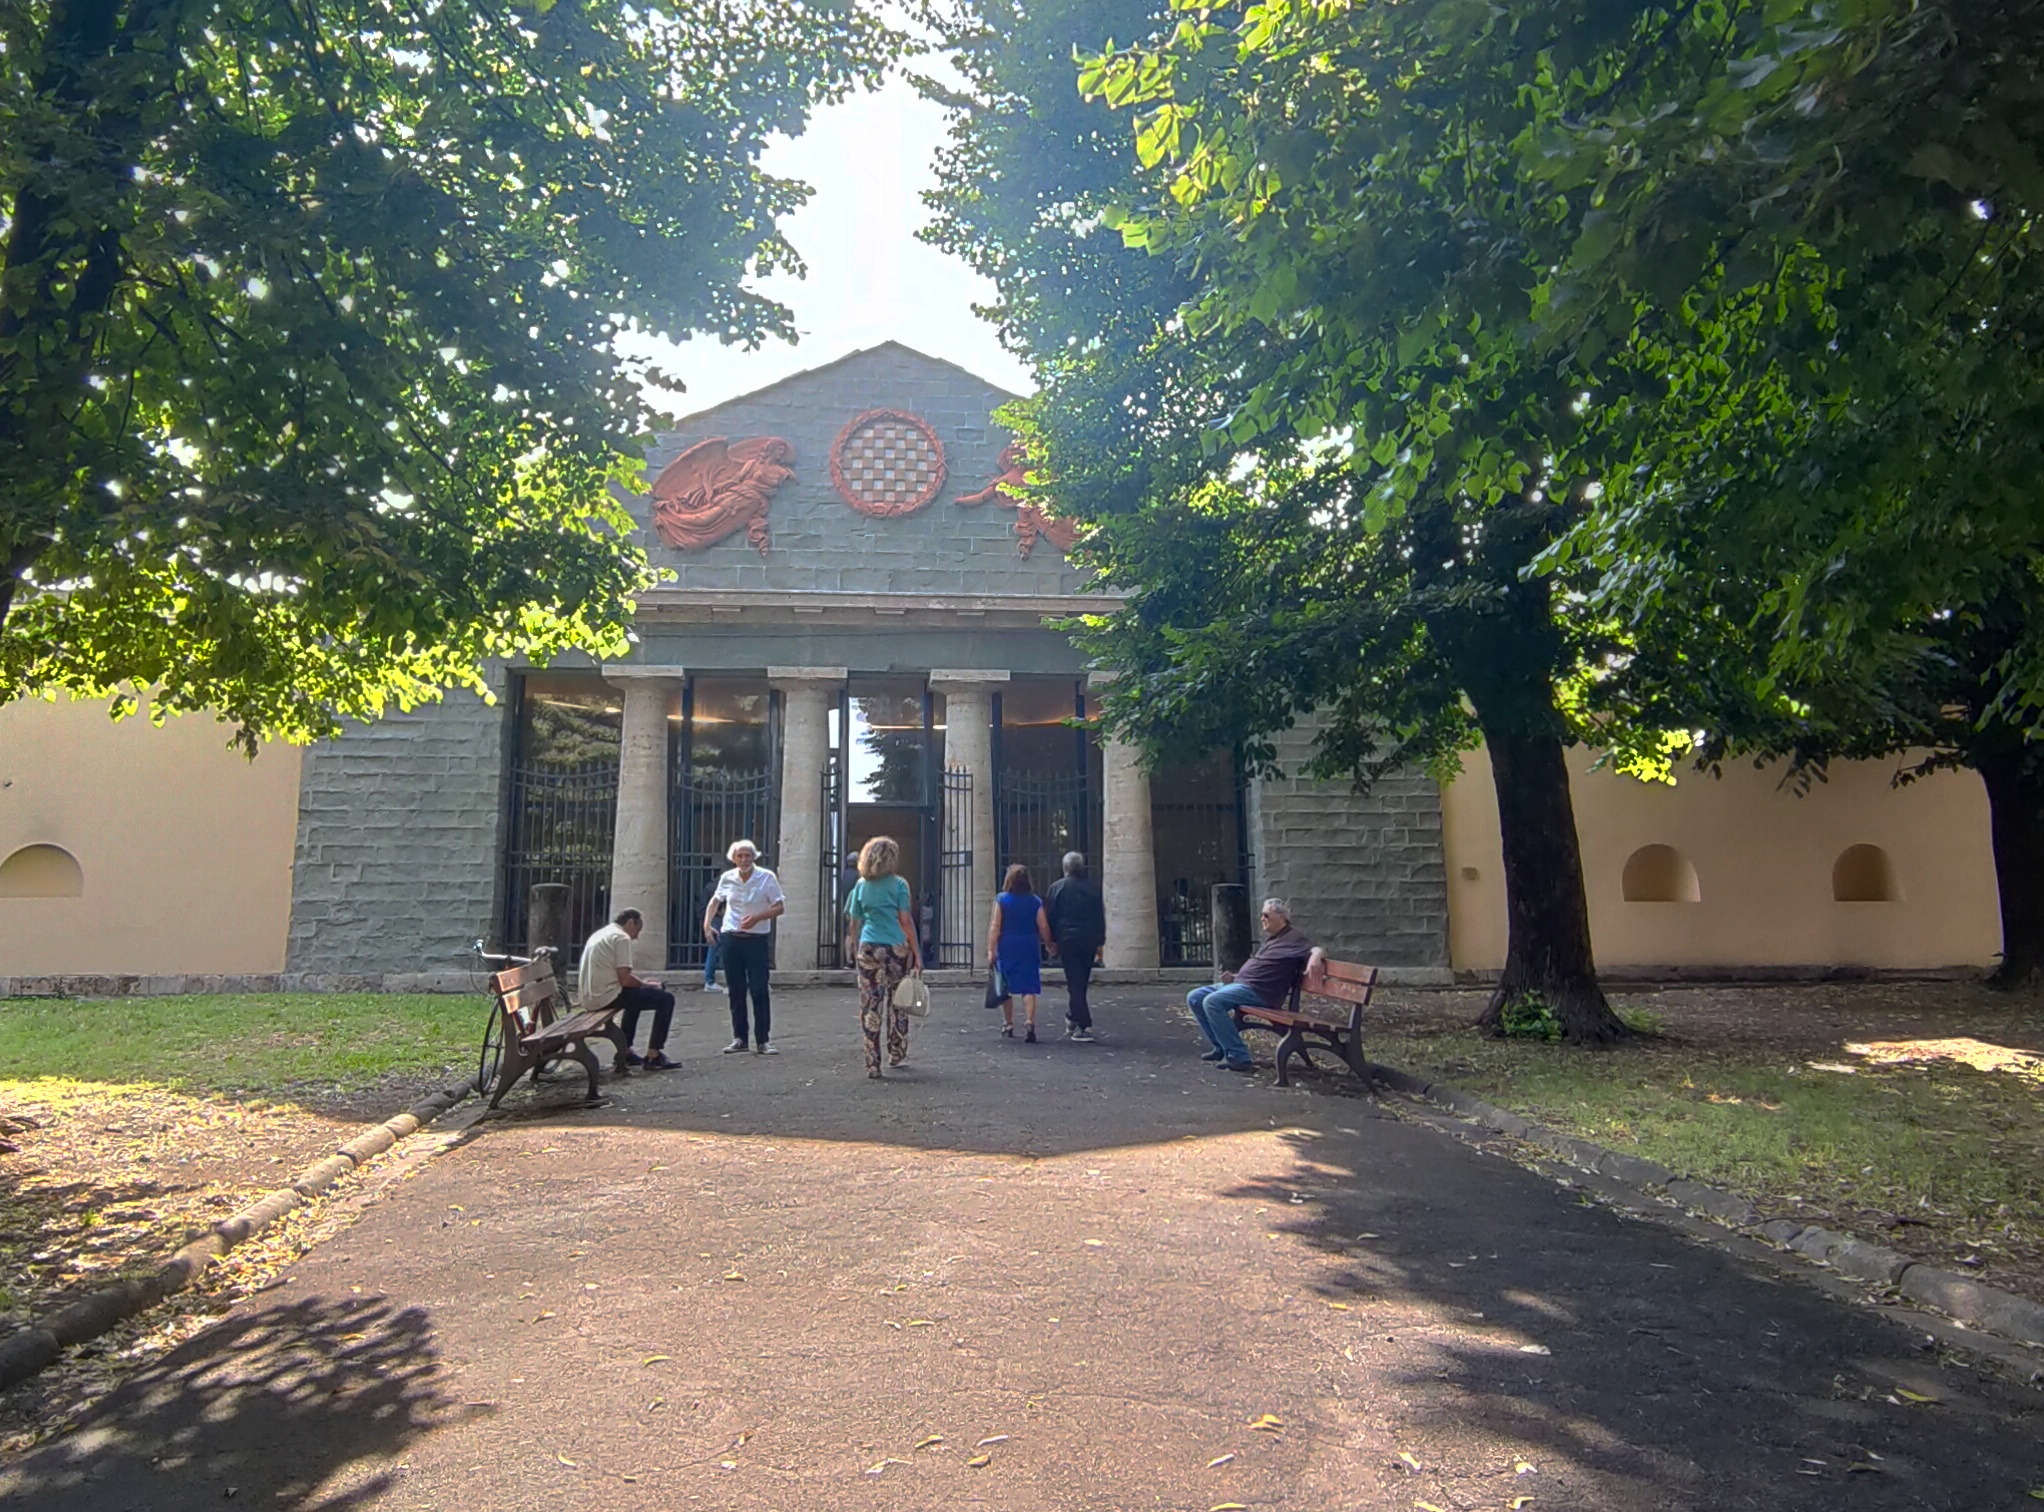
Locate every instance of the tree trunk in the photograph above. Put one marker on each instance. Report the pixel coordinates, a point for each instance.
(2015, 807)
(1547, 951)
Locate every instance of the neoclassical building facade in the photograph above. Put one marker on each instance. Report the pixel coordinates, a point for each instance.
(858, 635)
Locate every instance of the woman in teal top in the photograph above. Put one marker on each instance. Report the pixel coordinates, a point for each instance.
(879, 906)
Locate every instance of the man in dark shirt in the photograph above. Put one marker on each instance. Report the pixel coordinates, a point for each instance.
(1265, 981)
(1078, 922)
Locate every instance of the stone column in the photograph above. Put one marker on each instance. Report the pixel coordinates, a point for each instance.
(1128, 861)
(638, 857)
(807, 694)
(969, 743)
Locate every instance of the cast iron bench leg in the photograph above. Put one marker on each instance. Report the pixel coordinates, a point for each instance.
(581, 1051)
(516, 1064)
(1294, 1043)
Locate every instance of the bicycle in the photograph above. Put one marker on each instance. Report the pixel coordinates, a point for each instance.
(491, 1061)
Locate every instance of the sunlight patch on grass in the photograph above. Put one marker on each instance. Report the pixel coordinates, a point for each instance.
(243, 1043)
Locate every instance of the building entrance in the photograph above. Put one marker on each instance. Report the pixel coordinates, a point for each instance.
(884, 776)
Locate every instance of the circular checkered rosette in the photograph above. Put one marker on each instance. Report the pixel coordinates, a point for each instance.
(887, 463)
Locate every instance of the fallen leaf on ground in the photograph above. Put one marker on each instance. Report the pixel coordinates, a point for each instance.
(978, 1460)
(920, 1323)
(733, 1276)
(568, 1462)
(1229, 1507)
(654, 1359)
(729, 1464)
(1219, 1461)
(1095, 1243)
(998, 1438)
(1268, 1424)
(1534, 1349)
(1426, 1506)
(1411, 1463)
(1912, 1396)
(890, 1323)
(1339, 1306)
(935, 1438)
(1520, 1467)
(544, 1316)
(1521, 1501)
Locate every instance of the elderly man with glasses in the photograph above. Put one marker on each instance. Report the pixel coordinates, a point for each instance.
(1266, 980)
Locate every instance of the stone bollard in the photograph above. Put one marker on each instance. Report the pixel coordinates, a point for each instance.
(1231, 926)
(546, 923)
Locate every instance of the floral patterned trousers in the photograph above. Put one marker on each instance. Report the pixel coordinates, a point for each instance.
(881, 968)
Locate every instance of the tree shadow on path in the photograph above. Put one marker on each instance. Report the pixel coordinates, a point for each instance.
(305, 1406)
(1624, 1350)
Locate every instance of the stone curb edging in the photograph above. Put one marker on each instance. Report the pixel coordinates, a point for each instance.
(31, 1349)
(1986, 1308)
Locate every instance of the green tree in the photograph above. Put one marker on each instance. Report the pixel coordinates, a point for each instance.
(308, 393)
(1829, 534)
(1318, 450)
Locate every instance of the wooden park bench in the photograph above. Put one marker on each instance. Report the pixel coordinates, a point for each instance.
(536, 1027)
(1338, 982)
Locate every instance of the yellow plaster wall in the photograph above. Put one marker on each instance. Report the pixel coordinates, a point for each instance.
(185, 845)
(1763, 860)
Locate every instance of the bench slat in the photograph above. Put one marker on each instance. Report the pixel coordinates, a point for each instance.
(589, 1021)
(538, 972)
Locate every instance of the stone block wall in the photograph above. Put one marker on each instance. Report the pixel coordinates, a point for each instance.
(1365, 873)
(819, 542)
(398, 837)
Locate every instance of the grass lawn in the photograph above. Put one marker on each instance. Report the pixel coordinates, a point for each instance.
(245, 1044)
(1911, 1114)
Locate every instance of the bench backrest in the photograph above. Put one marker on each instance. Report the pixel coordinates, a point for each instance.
(530, 996)
(1344, 981)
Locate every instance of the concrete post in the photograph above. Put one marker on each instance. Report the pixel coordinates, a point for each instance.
(546, 924)
(1231, 927)
(807, 694)
(969, 743)
(638, 857)
(1128, 862)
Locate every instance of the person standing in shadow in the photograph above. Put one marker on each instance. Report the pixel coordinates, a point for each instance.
(1078, 924)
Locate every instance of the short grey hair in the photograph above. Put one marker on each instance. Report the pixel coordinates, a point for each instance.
(1075, 863)
(1279, 907)
(731, 855)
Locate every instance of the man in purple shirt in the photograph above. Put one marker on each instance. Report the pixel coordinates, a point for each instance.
(1265, 981)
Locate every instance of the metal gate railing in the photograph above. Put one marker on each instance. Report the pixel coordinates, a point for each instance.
(710, 810)
(830, 884)
(561, 823)
(1039, 816)
(955, 920)
(1185, 925)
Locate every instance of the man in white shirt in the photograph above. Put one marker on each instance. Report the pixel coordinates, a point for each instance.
(752, 900)
(606, 977)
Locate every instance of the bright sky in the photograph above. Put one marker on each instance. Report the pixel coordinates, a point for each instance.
(870, 280)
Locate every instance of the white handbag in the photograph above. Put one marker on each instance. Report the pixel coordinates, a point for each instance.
(912, 997)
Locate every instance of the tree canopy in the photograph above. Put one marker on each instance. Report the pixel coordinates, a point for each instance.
(308, 393)
(1566, 371)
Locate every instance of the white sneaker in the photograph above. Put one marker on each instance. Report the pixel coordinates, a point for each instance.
(769, 1048)
(711, 987)
(736, 1047)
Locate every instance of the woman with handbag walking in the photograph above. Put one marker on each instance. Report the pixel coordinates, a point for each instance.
(1016, 935)
(883, 942)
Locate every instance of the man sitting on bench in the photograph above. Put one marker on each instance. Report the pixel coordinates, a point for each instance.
(1266, 980)
(607, 977)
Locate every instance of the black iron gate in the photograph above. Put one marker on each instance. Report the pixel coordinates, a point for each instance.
(1201, 839)
(955, 921)
(711, 810)
(830, 876)
(1038, 817)
(561, 823)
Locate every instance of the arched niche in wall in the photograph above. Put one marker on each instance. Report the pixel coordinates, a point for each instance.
(1864, 874)
(41, 871)
(1660, 874)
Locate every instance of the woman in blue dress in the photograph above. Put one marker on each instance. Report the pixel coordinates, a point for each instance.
(1016, 935)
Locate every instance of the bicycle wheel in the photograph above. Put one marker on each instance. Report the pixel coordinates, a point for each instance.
(492, 1058)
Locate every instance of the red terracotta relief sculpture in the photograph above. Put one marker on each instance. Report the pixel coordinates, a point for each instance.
(1031, 523)
(716, 486)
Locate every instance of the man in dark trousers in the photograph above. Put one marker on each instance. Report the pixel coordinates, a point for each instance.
(1078, 922)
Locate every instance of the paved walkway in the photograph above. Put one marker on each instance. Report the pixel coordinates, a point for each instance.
(771, 1284)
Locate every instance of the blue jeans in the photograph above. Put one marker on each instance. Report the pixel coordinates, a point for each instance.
(1211, 1010)
(710, 966)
